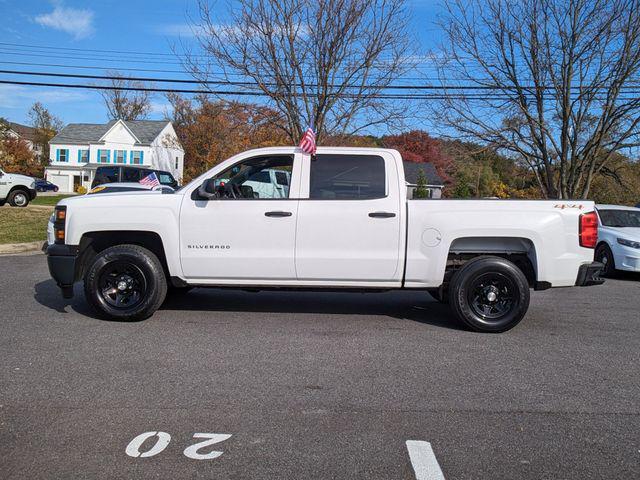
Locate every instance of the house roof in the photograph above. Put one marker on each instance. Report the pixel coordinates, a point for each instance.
(26, 132)
(411, 170)
(145, 130)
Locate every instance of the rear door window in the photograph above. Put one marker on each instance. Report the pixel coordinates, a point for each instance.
(347, 177)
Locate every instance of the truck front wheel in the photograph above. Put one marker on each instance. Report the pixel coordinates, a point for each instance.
(125, 282)
(18, 198)
(489, 294)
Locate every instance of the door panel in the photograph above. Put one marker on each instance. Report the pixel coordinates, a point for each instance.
(240, 234)
(351, 237)
(234, 239)
(339, 241)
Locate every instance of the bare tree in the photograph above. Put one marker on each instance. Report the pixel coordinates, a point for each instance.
(323, 62)
(555, 83)
(46, 125)
(126, 104)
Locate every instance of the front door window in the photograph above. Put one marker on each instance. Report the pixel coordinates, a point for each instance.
(255, 178)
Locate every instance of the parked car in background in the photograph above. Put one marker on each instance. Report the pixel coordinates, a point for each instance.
(128, 187)
(16, 189)
(122, 173)
(618, 238)
(43, 185)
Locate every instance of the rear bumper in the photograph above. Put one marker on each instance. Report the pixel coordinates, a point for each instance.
(62, 261)
(589, 274)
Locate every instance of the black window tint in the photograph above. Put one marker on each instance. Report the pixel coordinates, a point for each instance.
(130, 175)
(282, 178)
(620, 218)
(347, 177)
(106, 175)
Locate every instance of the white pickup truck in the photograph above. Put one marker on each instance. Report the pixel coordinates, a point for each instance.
(346, 223)
(16, 189)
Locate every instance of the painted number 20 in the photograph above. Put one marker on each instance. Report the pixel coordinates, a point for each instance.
(163, 439)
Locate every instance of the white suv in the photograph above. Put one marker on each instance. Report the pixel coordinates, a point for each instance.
(16, 189)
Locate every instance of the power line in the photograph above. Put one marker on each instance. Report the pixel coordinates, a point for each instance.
(249, 94)
(528, 88)
(83, 49)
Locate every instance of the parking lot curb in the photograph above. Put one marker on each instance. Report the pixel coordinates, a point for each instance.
(18, 248)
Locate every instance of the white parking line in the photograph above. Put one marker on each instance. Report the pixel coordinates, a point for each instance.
(424, 461)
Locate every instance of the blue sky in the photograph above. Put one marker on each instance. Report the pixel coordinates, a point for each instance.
(131, 26)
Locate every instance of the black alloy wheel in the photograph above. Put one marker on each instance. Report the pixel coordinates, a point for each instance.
(122, 285)
(489, 294)
(125, 282)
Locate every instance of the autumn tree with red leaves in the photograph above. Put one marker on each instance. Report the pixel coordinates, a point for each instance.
(419, 147)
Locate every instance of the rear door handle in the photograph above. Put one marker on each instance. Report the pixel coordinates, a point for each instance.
(277, 214)
(382, 214)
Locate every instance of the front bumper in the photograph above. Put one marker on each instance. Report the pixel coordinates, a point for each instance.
(589, 274)
(32, 194)
(62, 260)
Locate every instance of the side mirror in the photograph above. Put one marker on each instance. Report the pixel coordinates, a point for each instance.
(208, 189)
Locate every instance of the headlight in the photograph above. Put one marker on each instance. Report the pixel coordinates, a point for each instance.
(628, 243)
(33, 184)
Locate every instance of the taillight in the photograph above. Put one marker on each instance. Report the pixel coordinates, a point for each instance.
(588, 231)
(59, 224)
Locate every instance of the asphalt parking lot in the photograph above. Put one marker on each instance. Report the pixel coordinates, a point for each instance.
(308, 385)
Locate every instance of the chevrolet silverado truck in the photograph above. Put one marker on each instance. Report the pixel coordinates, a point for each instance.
(345, 223)
(16, 189)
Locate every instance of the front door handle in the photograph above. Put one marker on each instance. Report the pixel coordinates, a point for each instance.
(277, 214)
(382, 214)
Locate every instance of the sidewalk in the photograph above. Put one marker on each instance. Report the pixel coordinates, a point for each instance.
(21, 248)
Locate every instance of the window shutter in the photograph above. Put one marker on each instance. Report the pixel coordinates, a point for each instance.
(79, 155)
(124, 156)
(141, 157)
(57, 154)
(66, 157)
(108, 156)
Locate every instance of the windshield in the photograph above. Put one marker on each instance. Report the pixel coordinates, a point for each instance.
(620, 218)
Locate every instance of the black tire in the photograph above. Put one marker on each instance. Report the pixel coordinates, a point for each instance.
(489, 294)
(19, 198)
(604, 255)
(125, 282)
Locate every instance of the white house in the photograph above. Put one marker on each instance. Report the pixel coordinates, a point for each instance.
(28, 134)
(80, 148)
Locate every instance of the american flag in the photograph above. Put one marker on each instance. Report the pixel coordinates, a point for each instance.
(150, 180)
(308, 142)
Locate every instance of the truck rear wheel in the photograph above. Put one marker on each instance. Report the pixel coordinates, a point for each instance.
(489, 294)
(125, 282)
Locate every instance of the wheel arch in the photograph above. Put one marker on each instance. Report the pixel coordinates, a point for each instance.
(521, 251)
(24, 188)
(92, 243)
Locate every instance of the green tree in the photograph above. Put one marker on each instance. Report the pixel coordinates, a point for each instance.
(421, 190)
